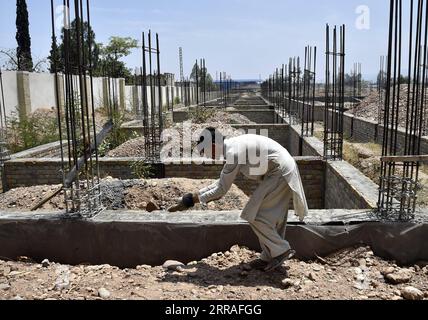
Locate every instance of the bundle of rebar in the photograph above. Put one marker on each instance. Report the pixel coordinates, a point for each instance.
(76, 119)
(334, 94)
(308, 103)
(152, 104)
(399, 176)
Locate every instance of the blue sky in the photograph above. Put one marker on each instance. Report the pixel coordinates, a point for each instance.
(245, 38)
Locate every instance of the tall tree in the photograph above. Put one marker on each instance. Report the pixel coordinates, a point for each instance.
(69, 36)
(55, 57)
(200, 71)
(23, 51)
(116, 49)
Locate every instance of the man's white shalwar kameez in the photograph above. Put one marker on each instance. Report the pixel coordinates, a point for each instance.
(262, 159)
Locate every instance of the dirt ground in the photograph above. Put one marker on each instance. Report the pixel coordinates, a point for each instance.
(219, 120)
(128, 194)
(369, 107)
(352, 274)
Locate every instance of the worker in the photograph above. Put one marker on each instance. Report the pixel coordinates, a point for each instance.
(267, 209)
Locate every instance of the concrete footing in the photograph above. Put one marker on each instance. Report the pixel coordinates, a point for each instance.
(128, 239)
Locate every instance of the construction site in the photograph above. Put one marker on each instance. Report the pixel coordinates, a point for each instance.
(85, 216)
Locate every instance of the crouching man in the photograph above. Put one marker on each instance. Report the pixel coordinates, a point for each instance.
(262, 159)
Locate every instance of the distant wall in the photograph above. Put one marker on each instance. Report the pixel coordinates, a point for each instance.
(26, 92)
(10, 86)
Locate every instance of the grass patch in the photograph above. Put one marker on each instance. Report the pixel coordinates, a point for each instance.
(35, 130)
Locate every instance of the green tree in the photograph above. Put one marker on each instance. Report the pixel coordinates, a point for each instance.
(111, 54)
(23, 51)
(200, 71)
(89, 44)
(55, 57)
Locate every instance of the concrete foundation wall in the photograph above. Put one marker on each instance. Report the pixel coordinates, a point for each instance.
(129, 239)
(345, 186)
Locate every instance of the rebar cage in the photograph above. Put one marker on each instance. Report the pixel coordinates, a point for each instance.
(308, 103)
(334, 94)
(151, 102)
(399, 176)
(398, 189)
(76, 111)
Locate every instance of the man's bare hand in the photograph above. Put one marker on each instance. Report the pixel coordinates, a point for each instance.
(187, 202)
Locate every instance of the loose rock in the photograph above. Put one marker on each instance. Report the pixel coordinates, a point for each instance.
(411, 293)
(399, 277)
(173, 265)
(45, 263)
(103, 293)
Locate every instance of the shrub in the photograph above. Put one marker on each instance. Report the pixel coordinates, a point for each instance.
(38, 128)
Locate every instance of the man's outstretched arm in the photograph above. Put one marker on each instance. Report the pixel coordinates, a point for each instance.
(212, 193)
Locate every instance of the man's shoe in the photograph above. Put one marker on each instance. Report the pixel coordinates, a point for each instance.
(278, 261)
(258, 264)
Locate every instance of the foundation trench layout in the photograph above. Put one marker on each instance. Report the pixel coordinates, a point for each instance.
(340, 197)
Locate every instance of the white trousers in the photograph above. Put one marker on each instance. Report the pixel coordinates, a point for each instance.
(271, 222)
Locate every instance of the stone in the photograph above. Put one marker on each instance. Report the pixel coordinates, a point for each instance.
(287, 283)
(235, 249)
(62, 284)
(18, 298)
(244, 274)
(144, 267)
(193, 263)
(388, 270)
(411, 293)
(362, 262)
(214, 256)
(45, 263)
(399, 277)
(312, 277)
(151, 206)
(4, 286)
(358, 271)
(317, 268)
(173, 265)
(6, 271)
(103, 293)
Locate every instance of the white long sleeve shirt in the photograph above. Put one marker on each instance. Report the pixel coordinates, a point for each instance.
(257, 158)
